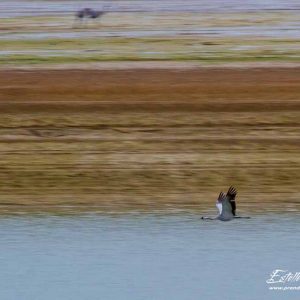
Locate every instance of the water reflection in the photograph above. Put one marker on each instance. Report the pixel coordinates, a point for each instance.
(144, 256)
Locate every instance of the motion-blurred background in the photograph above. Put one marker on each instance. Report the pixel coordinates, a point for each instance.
(149, 104)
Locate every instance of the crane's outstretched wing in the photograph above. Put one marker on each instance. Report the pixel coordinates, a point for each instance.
(220, 199)
(231, 194)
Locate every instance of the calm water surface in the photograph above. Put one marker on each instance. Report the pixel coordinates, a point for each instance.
(145, 256)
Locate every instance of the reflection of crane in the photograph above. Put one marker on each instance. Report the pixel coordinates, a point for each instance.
(88, 13)
(226, 206)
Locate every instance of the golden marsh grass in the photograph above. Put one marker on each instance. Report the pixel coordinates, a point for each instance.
(149, 139)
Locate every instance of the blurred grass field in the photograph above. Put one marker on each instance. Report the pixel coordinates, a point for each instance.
(210, 37)
(149, 139)
(183, 104)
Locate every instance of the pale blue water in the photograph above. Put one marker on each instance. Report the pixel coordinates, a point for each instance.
(144, 256)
